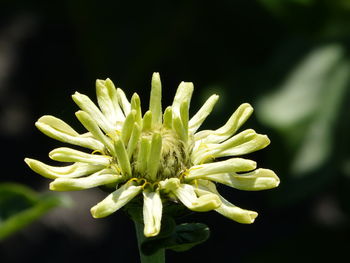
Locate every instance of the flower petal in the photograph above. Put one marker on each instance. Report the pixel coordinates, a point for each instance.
(61, 131)
(58, 125)
(64, 154)
(184, 108)
(128, 126)
(243, 143)
(94, 129)
(104, 98)
(203, 150)
(180, 109)
(257, 143)
(89, 107)
(260, 179)
(226, 208)
(113, 94)
(142, 156)
(147, 121)
(238, 118)
(168, 118)
(169, 185)
(136, 106)
(115, 200)
(123, 102)
(197, 120)
(183, 94)
(70, 171)
(236, 213)
(188, 197)
(94, 180)
(227, 166)
(154, 156)
(134, 139)
(152, 213)
(180, 129)
(122, 157)
(240, 138)
(155, 102)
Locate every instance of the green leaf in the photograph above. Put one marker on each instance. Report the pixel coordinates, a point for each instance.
(306, 106)
(318, 141)
(20, 205)
(189, 235)
(183, 237)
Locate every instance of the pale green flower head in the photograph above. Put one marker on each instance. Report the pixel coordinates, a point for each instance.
(158, 155)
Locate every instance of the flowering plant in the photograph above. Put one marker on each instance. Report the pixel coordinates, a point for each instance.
(157, 155)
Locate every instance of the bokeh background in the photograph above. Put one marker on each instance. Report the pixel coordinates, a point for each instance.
(289, 59)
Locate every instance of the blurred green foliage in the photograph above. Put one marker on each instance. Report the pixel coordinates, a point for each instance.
(309, 112)
(20, 206)
(305, 108)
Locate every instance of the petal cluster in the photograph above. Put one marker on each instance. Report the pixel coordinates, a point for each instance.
(159, 155)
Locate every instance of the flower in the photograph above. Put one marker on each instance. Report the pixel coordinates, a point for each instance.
(160, 156)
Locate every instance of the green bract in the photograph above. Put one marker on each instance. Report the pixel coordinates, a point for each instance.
(159, 155)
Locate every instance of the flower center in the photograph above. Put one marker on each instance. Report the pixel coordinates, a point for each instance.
(174, 157)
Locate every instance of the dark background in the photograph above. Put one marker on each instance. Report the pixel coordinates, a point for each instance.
(244, 51)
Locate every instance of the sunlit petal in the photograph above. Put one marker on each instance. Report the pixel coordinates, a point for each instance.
(115, 200)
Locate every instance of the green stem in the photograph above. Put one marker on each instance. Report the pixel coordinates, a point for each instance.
(157, 257)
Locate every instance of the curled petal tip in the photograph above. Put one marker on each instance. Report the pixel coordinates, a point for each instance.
(151, 234)
(278, 181)
(253, 215)
(27, 161)
(156, 75)
(52, 188)
(76, 94)
(33, 164)
(247, 105)
(94, 213)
